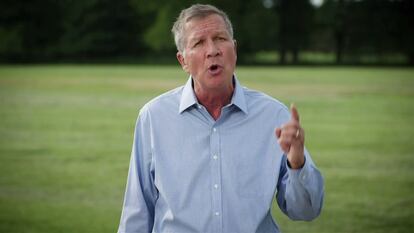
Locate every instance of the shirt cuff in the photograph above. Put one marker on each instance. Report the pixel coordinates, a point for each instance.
(300, 174)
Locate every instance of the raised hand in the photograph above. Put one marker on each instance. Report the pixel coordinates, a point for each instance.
(291, 138)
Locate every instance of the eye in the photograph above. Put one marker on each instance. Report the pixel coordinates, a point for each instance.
(221, 38)
(197, 43)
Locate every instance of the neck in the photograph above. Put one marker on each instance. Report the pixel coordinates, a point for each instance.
(214, 101)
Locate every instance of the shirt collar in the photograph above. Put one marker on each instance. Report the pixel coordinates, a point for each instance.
(188, 97)
(239, 99)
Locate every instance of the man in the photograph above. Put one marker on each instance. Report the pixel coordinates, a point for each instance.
(210, 156)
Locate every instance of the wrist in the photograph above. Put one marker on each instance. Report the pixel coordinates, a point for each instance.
(296, 164)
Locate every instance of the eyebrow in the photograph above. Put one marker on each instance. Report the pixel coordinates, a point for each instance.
(216, 33)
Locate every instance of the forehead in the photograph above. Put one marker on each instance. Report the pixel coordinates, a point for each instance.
(197, 27)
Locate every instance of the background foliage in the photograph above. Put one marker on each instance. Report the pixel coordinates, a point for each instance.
(363, 31)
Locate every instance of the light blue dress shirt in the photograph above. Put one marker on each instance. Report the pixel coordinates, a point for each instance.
(190, 173)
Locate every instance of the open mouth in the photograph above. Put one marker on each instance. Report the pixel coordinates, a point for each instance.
(213, 68)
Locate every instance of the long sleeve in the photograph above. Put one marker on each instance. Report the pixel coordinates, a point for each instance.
(300, 192)
(140, 195)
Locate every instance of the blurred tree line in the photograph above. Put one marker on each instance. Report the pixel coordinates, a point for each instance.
(89, 30)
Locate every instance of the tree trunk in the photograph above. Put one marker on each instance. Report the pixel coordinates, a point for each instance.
(411, 58)
(282, 58)
(295, 56)
(339, 30)
(339, 38)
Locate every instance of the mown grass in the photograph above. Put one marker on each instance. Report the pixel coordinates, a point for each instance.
(66, 134)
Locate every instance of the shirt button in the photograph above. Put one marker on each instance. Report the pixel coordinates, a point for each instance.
(215, 157)
(217, 213)
(199, 106)
(216, 186)
(214, 129)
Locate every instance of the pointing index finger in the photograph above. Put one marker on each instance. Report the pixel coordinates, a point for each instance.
(294, 112)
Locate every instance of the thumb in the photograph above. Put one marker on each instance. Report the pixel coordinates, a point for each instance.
(294, 112)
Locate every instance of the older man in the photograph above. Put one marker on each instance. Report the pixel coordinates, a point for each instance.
(210, 156)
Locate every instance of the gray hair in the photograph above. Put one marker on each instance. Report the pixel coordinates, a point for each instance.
(196, 11)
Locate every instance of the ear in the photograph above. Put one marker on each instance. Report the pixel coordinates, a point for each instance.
(181, 60)
(235, 47)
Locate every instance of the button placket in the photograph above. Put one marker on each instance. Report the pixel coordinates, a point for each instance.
(216, 178)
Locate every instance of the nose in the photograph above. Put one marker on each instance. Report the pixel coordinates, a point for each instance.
(213, 49)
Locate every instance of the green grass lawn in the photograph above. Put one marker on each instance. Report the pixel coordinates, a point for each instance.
(66, 135)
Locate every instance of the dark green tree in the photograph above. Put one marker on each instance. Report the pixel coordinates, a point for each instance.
(405, 37)
(29, 30)
(295, 25)
(101, 28)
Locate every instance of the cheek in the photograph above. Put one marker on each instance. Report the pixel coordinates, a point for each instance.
(194, 61)
(232, 56)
